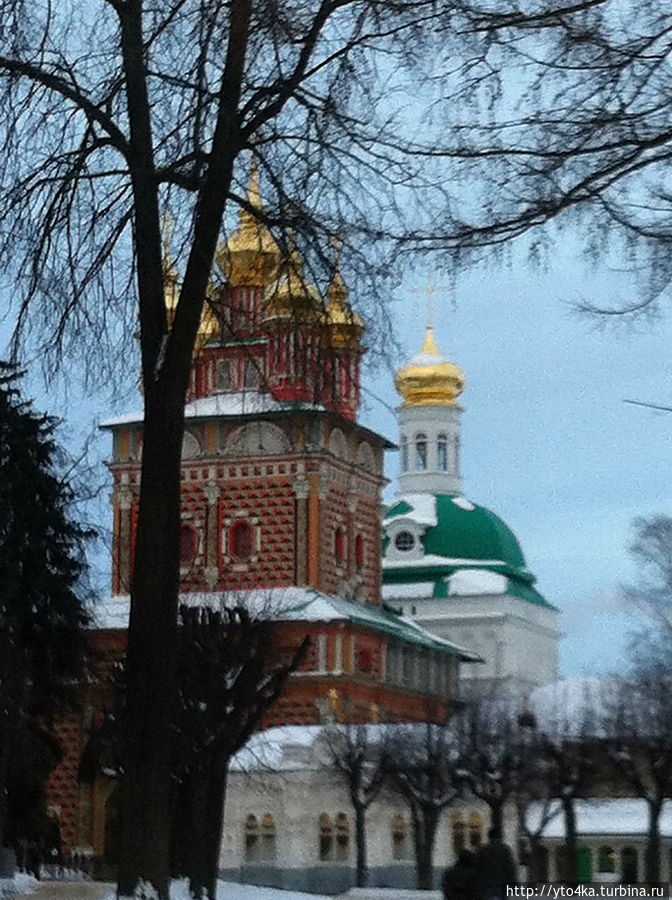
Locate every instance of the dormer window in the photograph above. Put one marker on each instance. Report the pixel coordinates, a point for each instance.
(404, 541)
(421, 452)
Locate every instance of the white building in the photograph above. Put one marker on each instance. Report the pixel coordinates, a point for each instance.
(453, 565)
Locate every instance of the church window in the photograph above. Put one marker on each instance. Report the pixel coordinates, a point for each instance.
(404, 541)
(339, 545)
(326, 837)
(188, 545)
(240, 544)
(606, 859)
(321, 653)
(364, 660)
(268, 837)
(342, 836)
(250, 373)
(359, 552)
(629, 865)
(442, 453)
(224, 379)
(459, 832)
(252, 839)
(421, 452)
(475, 830)
(402, 845)
(456, 451)
(404, 453)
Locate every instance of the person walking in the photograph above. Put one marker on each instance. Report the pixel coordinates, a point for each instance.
(461, 881)
(495, 866)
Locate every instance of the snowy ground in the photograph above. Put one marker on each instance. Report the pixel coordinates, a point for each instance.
(229, 891)
(20, 884)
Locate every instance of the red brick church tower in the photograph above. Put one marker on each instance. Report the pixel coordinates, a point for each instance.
(281, 499)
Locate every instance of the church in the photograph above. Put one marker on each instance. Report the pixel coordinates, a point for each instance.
(282, 511)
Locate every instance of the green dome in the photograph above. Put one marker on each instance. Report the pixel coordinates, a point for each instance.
(471, 533)
(463, 530)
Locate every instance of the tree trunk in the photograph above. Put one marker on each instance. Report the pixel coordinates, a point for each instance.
(360, 838)
(571, 873)
(204, 796)
(652, 855)
(151, 656)
(4, 759)
(425, 823)
(496, 815)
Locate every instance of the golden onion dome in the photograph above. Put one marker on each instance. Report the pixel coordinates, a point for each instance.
(430, 379)
(209, 327)
(345, 328)
(250, 256)
(291, 296)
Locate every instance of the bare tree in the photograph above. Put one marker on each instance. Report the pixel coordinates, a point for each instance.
(117, 110)
(488, 734)
(652, 592)
(563, 116)
(638, 727)
(359, 753)
(229, 677)
(424, 763)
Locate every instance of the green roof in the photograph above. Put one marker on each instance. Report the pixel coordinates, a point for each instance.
(461, 535)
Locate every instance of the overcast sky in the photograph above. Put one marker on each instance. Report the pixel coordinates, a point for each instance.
(548, 443)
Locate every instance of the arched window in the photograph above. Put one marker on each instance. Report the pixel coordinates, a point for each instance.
(326, 837)
(421, 452)
(224, 379)
(402, 845)
(442, 453)
(252, 843)
(342, 837)
(459, 832)
(475, 830)
(188, 545)
(404, 453)
(359, 552)
(268, 837)
(339, 545)
(240, 541)
(606, 859)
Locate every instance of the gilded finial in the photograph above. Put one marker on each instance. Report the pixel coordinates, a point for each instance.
(171, 291)
(336, 704)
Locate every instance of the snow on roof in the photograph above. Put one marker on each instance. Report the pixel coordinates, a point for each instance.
(477, 581)
(432, 559)
(414, 591)
(616, 817)
(294, 604)
(233, 403)
(423, 509)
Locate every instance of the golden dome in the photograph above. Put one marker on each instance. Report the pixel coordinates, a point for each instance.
(429, 379)
(250, 256)
(209, 327)
(344, 326)
(291, 296)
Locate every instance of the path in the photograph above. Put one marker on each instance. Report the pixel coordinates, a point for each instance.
(68, 890)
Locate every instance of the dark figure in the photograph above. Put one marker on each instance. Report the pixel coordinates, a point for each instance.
(34, 859)
(461, 881)
(495, 866)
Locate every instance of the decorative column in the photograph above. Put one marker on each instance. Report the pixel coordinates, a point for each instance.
(212, 493)
(125, 536)
(301, 493)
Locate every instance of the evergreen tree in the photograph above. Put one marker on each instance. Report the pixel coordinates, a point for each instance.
(42, 617)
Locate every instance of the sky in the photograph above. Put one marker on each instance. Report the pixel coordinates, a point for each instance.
(548, 443)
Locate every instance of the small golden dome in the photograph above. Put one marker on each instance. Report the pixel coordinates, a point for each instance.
(209, 327)
(250, 256)
(429, 379)
(291, 296)
(344, 326)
